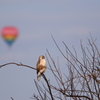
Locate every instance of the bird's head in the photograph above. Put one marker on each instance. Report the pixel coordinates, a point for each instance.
(41, 57)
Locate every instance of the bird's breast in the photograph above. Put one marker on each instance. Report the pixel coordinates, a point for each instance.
(43, 62)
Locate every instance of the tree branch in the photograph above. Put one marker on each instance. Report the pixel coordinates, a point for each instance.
(17, 65)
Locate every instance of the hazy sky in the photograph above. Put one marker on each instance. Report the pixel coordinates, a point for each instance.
(37, 20)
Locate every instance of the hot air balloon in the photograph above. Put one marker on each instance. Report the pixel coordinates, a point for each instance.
(9, 34)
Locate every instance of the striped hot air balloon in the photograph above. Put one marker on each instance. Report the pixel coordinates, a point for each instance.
(9, 34)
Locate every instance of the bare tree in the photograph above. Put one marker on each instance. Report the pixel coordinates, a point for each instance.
(82, 82)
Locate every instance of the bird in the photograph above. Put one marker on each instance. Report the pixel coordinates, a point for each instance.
(40, 66)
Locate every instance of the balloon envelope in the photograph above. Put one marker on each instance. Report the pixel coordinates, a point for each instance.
(9, 34)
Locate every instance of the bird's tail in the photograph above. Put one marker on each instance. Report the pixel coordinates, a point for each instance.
(40, 73)
(38, 76)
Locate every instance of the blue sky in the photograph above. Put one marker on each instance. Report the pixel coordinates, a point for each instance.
(66, 20)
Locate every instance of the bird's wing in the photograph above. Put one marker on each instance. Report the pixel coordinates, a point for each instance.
(40, 68)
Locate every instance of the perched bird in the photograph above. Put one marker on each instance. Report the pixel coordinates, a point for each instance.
(40, 66)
